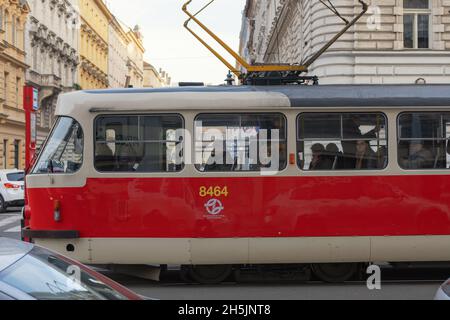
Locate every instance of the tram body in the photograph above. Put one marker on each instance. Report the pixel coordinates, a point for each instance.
(293, 216)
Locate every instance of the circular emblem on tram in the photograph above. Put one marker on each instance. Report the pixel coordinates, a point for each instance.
(214, 207)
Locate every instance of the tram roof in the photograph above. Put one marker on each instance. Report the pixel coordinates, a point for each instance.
(254, 97)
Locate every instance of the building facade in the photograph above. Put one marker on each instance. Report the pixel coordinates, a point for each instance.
(154, 78)
(118, 55)
(94, 47)
(51, 43)
(13, 16)
(135, 61)
(397, 41)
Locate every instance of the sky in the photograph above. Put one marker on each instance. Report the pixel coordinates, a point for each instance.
(171, 47)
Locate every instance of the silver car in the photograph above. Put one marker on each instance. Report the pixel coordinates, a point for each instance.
(444, 291)
(29, 272)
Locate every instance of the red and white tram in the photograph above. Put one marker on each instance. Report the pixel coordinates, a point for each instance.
(363, 175)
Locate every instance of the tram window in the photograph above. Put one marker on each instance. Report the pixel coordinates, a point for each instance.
(138, 143)
(347, 141)
(240, 142)
(63, 152)
(424, 141)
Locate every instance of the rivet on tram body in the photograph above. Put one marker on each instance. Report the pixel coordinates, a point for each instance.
(57, 210)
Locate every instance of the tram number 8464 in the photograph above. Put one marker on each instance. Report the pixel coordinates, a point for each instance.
(213, 191)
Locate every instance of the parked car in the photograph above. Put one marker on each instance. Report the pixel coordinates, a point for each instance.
(11, 189)
(29, 272)
(444, 291)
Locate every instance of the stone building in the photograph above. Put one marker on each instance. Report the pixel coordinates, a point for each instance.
(397, 41)
(51, 43)
(13, 16)
(154, 78)
(135, 61)
(118, 55)
(94, 47)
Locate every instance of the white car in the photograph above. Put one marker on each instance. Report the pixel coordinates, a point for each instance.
(443, 292)
(11, 189)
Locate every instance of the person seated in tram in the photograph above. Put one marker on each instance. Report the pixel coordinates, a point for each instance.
(419, 157)
(365, 157)
(335, 156)
(319, 159)
(352, 130)
(226, 165)
(128, 156)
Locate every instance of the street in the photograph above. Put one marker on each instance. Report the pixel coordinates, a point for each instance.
(10, 223)
(403, 284)
(313, 291)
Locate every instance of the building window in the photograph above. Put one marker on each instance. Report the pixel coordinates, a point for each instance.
(424, 141)
(5, 154)
(1, 18)
(416, 24)
(16, 154)
(5, 87)
(35, 58)
(13, 30)
(6, 25)
(18, 35)
(348, 141)
(17, 92)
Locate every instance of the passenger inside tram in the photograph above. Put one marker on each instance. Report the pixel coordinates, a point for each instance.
(320, 160)
(214, 164)
(352, 130)
(419, 157)
(366, 158)
(353, 141)
(423, 141)
(333, 153)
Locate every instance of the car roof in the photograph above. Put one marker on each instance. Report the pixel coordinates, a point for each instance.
(11, 251)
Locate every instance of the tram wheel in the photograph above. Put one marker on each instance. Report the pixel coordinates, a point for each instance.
(184, 274)
(210, 274)
(335, 272)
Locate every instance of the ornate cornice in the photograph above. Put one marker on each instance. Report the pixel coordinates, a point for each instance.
(92, 70)
(48, 41)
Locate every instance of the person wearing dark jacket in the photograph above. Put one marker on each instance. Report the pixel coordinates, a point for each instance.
(319, 160)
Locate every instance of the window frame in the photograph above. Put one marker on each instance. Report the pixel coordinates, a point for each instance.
(399, 139)
(17, 152)
(298, 140)
(415, 12)
(286, 132)
(183, 122)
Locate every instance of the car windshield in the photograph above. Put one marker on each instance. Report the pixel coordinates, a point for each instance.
(47, 276)
(16, 176)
